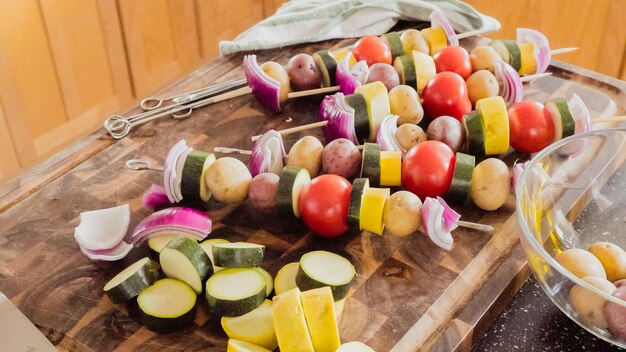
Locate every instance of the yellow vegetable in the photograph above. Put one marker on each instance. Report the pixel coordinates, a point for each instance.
(242, 346)
(341, 54)
(377, 101)
(495, 120)
(390, 168)
(436, 38)
(290, 324)
(255, 327)
(425, 69)
(286, 278)
(319, 311)
(372, 209)
(527, 59)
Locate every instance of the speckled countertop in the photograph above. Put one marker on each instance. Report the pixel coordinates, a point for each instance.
(531, 322)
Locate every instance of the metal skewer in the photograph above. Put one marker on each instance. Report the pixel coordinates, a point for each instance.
(142, 164)
(154, 103)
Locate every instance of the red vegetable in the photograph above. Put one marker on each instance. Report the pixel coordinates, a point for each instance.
(372, 49)
(531, 128)
(427, 169)
(446, 94)
(324, 204)
(454, 59)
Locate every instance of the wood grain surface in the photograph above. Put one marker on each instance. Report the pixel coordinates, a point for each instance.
(409, 294)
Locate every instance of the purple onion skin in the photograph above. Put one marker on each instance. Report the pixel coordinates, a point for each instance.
(341, 157)
(303, 73)
(448, 130)
(384, 73)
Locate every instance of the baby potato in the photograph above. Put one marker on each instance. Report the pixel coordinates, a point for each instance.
(307, 153)
(278, 72)
(482, 84)
(484, 58)
(303, 73)
(405, 103)
(262, 192)
(401, 214)
(581, 263)
(409, 135)
(491, 184)
(613, 259)
(588, 304)
(341, 157)
(615, 314)
(228, 180)
(384, 73)
(448, 130)
(412, 39)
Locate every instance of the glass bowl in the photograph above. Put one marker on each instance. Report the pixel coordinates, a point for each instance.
(570, 195)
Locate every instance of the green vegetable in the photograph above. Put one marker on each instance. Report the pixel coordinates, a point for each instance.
(235, 291)
(322, 268)
(327, 65)
(359, 186)
(474, 133)
(132, 280)
(238, 254)
(370, 166)
(361, 118)
(192, 185)
(185, 260)
(290, 184)
(462, 178)
(168, 305)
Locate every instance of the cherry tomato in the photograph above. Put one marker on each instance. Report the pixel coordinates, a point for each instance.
(427, 169)
(530, 126)
(324, 205)
(446, 94)
(454, 59)
(372, 49)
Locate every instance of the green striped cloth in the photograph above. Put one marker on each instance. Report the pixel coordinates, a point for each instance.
(306, 21)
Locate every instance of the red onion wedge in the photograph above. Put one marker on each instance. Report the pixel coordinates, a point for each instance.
(541, 47)
(176, 220)
(100, 234)
(349, 79)
(433, 221)
(386, 134)
(361, 71)
(268, 154)
(155, 197)
(438, 19)
(265, 89)
(518, 168)
(340, 117)
(511, 88)
(108, 255)
(582, 120)
(169, 172)
(450, 217)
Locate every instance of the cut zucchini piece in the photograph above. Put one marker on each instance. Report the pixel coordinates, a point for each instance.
(372, 209)
(474, 133)
(243, 346)
(132, 280)
(291, 182)
(290, 324)
(359, 186)
(235, 291)
(370, 165)
(256, 327)
(157, 243)
(319, 311)
(461, 178)
(509, 52)
(207, 245)
(238, 254)
(339, 307)
(390, 168)
(406, 68)
(322, 268)
(495, 118)
(286, 278)
(269, 281)
(528, 64)
(395, 43)
(327, 65)
(192, 185)
(377, 101)
(168, 305)
(564, 124)
(436, 38)
(185, 260)
(425, 69)
(361, 119)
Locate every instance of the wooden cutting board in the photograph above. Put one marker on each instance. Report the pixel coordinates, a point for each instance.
(408, 295)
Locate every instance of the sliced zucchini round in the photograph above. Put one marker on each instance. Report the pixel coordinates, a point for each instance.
(564, 124)
(327, 65)
(291, 182)
(157, 243)
(286, 278)
(207, 245)
(269, 281)
(474, 133)
(132, 280)
(168, 305)
(322, 268)
(359, 186)
(243, 346)
(235, 291)
(192, 185)
(185, 260)
(256, 326)
(509, 52)
(361, 119)
(395, 43)
(370, 165)
(238, 254)
(406, 68)
(461, 178)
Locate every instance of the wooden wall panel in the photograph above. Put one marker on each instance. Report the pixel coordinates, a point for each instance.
(597, 27)
(8, 157)
(270, 6)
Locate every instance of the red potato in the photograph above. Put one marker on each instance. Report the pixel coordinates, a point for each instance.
(341, 157)
(384, 73)
(303, 73)
(448, 130)
(615, 314)
(262, 192)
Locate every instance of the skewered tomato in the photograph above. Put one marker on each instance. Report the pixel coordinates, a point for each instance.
(372, 49)
(427, 169)
(446, 94)
(454, 59)
(530, 126)
(324, 204)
